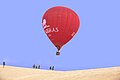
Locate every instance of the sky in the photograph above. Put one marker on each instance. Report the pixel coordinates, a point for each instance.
(23, 41)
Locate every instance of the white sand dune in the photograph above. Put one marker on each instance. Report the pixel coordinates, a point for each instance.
(17, 73)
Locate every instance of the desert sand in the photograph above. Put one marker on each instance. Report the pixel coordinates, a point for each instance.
(18, 73)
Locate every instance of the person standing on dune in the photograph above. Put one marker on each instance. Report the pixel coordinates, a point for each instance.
(34, 66)
(39, 67)
(52, 67)
(3, 64)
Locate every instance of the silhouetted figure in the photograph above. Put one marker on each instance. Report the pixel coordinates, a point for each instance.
(39, 67)
(50, 67)
(3, 64)
(34, 66)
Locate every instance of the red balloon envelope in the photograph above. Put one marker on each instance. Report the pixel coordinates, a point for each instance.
(60, 24)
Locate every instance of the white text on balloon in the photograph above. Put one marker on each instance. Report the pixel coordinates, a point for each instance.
(49, 30)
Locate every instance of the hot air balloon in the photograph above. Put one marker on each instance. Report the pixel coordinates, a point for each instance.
(60, 24)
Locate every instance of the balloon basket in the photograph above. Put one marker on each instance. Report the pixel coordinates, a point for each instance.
(57, 53)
